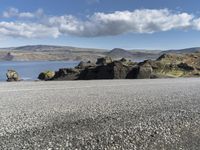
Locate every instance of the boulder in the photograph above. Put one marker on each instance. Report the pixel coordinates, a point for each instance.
(152, 63)
(123, 60)
(67, 74)
(144, 72)
(120, 71)
(113, 70)
(145, 69)
(104, 60)
(185, 66)
(47, 75)
(12, 75)
(83, 65)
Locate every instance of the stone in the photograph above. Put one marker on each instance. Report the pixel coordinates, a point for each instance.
(83, 65)
(185, 66)
(123, 60)
(47, 75)
(114, 70)
(144, 72)
(67, 74)
(12, 75)
(104, 60)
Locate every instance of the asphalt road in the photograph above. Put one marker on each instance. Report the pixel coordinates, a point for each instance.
(103, 114)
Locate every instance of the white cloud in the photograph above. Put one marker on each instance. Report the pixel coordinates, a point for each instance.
(14, 12)
(196, 24)
(32, 30)
(10, 13)
(119, 22)
(141, 21)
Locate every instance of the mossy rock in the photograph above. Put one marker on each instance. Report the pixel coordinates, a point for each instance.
(12, 75)
(47, 75)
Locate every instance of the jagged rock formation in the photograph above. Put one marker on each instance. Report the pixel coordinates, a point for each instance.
(112, 70)
(104, 60)
(166, 66)
(105, 68)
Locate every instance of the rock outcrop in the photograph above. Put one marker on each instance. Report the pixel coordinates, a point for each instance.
(104, 61)
(112, 70)
(83, 65)
(12, 75)
(67, 74)
(166, 66)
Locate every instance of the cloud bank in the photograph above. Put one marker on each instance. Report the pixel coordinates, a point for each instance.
(14, 12)
(142, 21)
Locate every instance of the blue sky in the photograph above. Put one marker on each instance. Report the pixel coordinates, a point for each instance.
(139, 24)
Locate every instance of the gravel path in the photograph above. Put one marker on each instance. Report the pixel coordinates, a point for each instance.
(103, 114)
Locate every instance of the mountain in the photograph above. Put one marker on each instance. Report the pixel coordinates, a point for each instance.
(134, 55)
(119, 53)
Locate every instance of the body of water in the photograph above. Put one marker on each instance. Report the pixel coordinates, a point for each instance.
(30, 70)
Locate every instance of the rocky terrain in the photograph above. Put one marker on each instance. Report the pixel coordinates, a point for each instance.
(166, 66)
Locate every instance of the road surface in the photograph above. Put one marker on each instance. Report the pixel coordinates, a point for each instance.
(103, 114)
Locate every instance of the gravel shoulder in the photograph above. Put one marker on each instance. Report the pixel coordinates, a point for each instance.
(102, 114)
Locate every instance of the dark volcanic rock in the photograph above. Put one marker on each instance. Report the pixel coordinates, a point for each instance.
(144, 72)
(167, 65)
(114, 70)
(185, 66)
(106, 69)
(145, 69)
(83, 65)
(67, 74)
(123, 60)
(153, 64)
(104, 60)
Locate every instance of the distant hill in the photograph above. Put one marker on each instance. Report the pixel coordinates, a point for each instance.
(38, 48)
(134, 55)
(119, 53)
(186, 50)
(41, 48)
(51, 52)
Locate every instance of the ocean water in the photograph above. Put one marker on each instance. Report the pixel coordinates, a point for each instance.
(30, 70)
